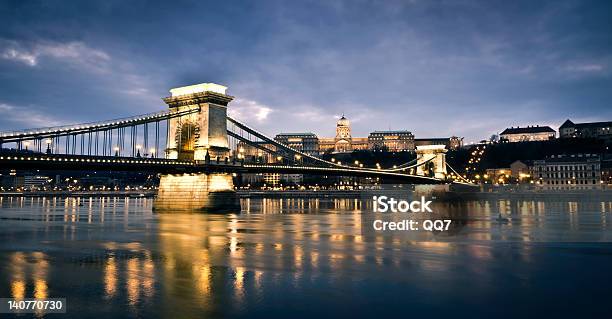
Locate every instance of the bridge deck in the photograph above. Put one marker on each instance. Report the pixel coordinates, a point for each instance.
(156, 165)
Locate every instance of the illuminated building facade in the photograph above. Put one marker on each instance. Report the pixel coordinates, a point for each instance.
(343, 142)
(575, 171)
(393, 141)
(303, 142)
(527, 134)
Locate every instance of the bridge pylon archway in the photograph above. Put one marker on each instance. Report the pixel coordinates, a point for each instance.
(431, 160)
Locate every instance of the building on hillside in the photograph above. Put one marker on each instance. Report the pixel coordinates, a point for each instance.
(451, 143)
(343, 142)
(527, 134)
(575, 171)
(303, 142)
(599, 130)
(392, 141)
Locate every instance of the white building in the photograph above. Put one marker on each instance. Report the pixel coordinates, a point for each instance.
(527, 134)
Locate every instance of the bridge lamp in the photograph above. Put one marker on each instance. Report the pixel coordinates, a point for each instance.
(298, 157)
(356, 162)
(279, 158)
(360, 165)
(333, 159)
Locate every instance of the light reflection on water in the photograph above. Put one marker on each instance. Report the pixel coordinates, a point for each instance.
(114, 256)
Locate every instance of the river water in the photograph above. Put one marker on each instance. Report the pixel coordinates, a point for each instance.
(303, 258)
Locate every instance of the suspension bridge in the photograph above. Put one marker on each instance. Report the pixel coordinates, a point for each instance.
(195, 146)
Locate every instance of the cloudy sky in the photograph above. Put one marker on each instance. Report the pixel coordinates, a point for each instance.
(436, 68)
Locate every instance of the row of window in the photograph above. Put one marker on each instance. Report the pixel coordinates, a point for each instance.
(568, 168)
(581, 182)
(567, 175)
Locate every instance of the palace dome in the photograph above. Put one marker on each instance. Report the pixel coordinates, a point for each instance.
(343, 121)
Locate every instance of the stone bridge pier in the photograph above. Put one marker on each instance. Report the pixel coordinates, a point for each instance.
(193, 137)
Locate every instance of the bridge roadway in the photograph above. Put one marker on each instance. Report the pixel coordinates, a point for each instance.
(38, 161)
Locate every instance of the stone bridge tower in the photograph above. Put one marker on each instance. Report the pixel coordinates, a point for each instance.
(194, 135)
(437, 165)
(191, 137)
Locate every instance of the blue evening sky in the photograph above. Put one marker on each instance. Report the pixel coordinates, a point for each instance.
(436, 68)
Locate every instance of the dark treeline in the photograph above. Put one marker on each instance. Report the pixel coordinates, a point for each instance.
(503, 154)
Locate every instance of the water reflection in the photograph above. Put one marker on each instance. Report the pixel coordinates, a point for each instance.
(28, 276)
(185, 265)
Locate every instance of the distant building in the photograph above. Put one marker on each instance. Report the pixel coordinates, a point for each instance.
(255, 152)
(304, 142)
(606, 171)
(291, 179)
(271, 179)
(499, 175)
(452, 142)
(520, 170)
(393, 141)
(600, 130)
(527, 134)
(575, 171)
(343, 142)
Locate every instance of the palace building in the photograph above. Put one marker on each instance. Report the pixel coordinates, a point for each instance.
(392, 140)
(343, 142)
(303, 142)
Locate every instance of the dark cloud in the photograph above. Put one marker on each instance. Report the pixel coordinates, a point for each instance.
(436, 68)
